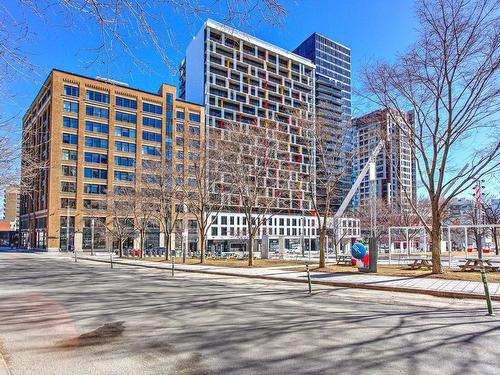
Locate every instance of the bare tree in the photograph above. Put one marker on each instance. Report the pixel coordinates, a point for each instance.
(158, 182)
(120, 27)
(145, 210)
(121, 224)
(449, 79)
(248, 160)
(202, 194)
(327, 181)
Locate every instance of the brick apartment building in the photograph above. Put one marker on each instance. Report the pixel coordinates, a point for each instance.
(94, 135)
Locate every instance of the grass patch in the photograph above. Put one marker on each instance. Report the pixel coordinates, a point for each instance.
(405, 272)
(396, 270)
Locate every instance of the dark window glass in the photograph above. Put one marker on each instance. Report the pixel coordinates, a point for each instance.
(126, 102)
(71, 90)
(96, 111)
(152, 108)
(70, 122)
(96, 142)
(126, 117)
(97, 96)
(71, 139)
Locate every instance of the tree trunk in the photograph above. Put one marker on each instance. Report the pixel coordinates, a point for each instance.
(141, 244)
(494, 232)
(322, 244)
(167, 245)
(202, 248)
(436, 241)
(250, 250)
(120, 246)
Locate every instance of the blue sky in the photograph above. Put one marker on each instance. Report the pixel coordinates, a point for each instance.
(372, 29)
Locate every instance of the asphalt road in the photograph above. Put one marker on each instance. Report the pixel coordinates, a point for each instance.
(58, 317)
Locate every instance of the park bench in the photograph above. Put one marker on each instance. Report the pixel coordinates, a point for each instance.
(475, 264)
(419, 263)
(344, 260)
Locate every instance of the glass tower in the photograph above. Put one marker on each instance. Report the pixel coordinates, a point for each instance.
(333, 102)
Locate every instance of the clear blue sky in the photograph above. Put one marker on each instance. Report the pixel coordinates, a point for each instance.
(372, 29)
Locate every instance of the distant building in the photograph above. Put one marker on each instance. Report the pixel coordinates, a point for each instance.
(11, 206)
(395, 163)
(9, 226)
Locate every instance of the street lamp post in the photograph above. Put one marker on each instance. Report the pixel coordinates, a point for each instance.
(92, 224)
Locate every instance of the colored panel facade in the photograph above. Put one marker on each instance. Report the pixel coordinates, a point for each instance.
(264, 89)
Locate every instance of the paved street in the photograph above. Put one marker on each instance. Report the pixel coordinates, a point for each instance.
(58, 317)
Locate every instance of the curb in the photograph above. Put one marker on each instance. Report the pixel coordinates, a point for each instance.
(436, 293)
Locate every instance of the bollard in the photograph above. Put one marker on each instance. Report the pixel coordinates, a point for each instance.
(173, 262)
(111, 258)
(309, 278)
(486, 291)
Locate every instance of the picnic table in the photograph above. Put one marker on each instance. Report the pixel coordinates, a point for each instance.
(475, 264)
(344, 260)
(420, 263)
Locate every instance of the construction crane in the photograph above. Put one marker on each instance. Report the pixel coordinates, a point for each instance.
(360, 178)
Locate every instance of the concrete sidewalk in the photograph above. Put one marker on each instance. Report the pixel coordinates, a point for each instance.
(421, 285)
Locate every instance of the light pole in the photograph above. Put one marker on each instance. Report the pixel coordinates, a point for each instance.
(302, 240)
(92, 224)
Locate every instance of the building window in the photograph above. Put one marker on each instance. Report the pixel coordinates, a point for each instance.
(126, 102)
(124, 146)
(151, 108)
(126, 117)
(194, 130)
(94, 189)
(71, 90)
(124, 176)
(150, 150)
(97, 127)
(179, 115)
(214, 231)
(96, 111)
(194, 117)
(125, 161)
(71, 139)
(153, 137)
(68, 203)
(179, 141)
(101, 174)
(69, 155)
(125, 132)
(70, 122)
(93, 204)
(68, 170)
(97, 96)
(151, 122)
(68, 187)
(91, 157)
(96, 142)
(179, 127)
(70, 107)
